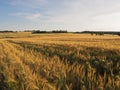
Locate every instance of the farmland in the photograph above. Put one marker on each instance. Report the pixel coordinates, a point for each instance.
(59, 61)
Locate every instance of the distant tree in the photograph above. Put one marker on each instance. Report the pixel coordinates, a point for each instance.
(59, 31)
(38, 31)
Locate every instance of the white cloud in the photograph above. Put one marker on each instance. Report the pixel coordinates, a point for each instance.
(34, 16)
(29, 16)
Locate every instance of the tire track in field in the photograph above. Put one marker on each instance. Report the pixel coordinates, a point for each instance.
(69, 53)
(15, 65)
(48, 51)
(28, 65)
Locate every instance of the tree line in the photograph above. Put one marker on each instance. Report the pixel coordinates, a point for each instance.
(100, 32)
(6, 31)
(54, 31)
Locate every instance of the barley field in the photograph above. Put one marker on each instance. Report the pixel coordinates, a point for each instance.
(59, 61)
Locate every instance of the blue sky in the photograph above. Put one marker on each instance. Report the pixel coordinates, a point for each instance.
(73, 15)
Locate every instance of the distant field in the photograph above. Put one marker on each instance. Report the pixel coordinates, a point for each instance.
(59, 61)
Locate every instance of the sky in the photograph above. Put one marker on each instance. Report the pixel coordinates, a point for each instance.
(71, 15)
